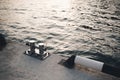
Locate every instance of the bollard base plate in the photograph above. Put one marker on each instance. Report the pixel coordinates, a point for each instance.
(37, 55)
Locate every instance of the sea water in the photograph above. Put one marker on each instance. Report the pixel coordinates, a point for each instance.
(89, 28)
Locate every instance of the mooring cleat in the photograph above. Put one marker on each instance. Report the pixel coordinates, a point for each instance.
(37, 51)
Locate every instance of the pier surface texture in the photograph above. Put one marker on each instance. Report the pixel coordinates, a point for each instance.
(14, 65)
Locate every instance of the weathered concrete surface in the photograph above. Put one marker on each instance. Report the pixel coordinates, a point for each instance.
(14, 65)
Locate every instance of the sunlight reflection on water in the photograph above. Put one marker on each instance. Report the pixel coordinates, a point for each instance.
(67, 26)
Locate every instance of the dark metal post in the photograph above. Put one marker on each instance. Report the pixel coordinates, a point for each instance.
(32, 47)
(41, 49)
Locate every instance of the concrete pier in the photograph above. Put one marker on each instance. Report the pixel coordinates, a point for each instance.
(14, 65)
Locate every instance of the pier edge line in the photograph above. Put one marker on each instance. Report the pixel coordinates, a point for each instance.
(97, 65)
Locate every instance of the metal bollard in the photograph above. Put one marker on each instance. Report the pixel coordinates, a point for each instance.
(37, 51)
(32, 46)
(41, 48)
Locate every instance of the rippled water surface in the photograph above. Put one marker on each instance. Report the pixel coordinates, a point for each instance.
(89, 28)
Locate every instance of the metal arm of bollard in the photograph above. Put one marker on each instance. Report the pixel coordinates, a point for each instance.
(37, 51)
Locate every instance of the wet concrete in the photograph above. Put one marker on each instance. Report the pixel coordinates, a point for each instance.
(14, 65)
